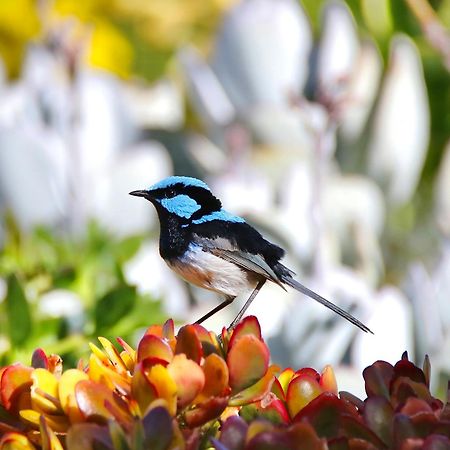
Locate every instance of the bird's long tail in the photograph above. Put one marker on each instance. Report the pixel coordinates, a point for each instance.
(304, 290)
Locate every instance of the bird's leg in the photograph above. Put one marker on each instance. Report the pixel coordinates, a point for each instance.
(225, 303)
(247, 304)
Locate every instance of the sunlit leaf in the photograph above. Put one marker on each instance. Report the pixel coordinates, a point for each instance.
(189, 343)
(66, 391)
(188, 377)
(18, 312)
(44, 392)
(247, 362)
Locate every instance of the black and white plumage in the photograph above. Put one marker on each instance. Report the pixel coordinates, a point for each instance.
(216, 250)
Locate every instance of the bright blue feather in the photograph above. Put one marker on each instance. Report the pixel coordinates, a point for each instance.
(181, 205)
(219, 215)
(187, 181)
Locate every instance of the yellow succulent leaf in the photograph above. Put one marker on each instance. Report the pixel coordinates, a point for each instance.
(59, 424)
(113, 354)
(48, 437)
(44, 392)
(15, 441)
(165, 386)
(66, 390)
(101, 373)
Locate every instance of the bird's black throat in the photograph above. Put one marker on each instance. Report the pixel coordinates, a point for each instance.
(173, 238)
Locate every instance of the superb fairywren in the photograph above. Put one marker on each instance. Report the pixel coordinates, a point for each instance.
(216, 250)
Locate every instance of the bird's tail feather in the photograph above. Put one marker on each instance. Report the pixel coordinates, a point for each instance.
(304, 290)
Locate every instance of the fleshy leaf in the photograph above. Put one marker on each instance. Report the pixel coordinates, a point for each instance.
(49, 441)
(87, 436)
(206, 411)
(247, 362)
(165, 386)
(158, 432)
(105, 374)
(56, 423)
(328, 380)
(270, 408)
(39, 359)
(284, 379)
(44, 392)
(141, 388)
(113, 355)
(15, 441)
(378, 377)
(249, 325)
(151, 346)
(216, 377)
(257, 391)
(66, 392)
(323, 414)
(301, 391)
(233, 433)
(98, 403)
(188, 377)
(189, 343)
(378, 415)
(14, 387)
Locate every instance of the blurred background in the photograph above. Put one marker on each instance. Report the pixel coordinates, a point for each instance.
(325, 124)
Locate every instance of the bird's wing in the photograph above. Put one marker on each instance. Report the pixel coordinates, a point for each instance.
(248, 261)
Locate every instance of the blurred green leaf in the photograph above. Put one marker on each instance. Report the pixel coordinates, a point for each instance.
(113, 306)
(18, 312)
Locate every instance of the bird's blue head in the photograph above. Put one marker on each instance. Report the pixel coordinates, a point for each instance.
(183, 198)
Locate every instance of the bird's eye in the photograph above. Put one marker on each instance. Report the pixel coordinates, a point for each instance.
(171, 193)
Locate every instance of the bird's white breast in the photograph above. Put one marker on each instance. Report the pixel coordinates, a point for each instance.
(208, 271)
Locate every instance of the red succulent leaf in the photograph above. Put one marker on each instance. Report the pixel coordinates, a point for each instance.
(247, 362)
(168, 330)
(249, 325)
(378, 377)
(216, 376)
(39, 359)
(378, 415)
(324, 412)
(308, 371)
(353, 428)
(352, 399)
(15, 385)
(151, 346)
(304, 434)
(189, 343)
(405, 368)
(98, 403)
(205, 411)
(403, 388)
(403, 429)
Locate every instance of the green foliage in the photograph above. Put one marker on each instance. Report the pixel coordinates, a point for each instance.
(90, 270)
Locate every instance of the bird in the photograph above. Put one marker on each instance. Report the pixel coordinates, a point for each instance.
(214, 249)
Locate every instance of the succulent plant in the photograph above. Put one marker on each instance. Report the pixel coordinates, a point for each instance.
(196, 390)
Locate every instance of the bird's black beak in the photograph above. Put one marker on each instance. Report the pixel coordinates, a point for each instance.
(140, 193)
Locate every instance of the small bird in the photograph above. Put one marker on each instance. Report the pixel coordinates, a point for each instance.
(216, 250)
